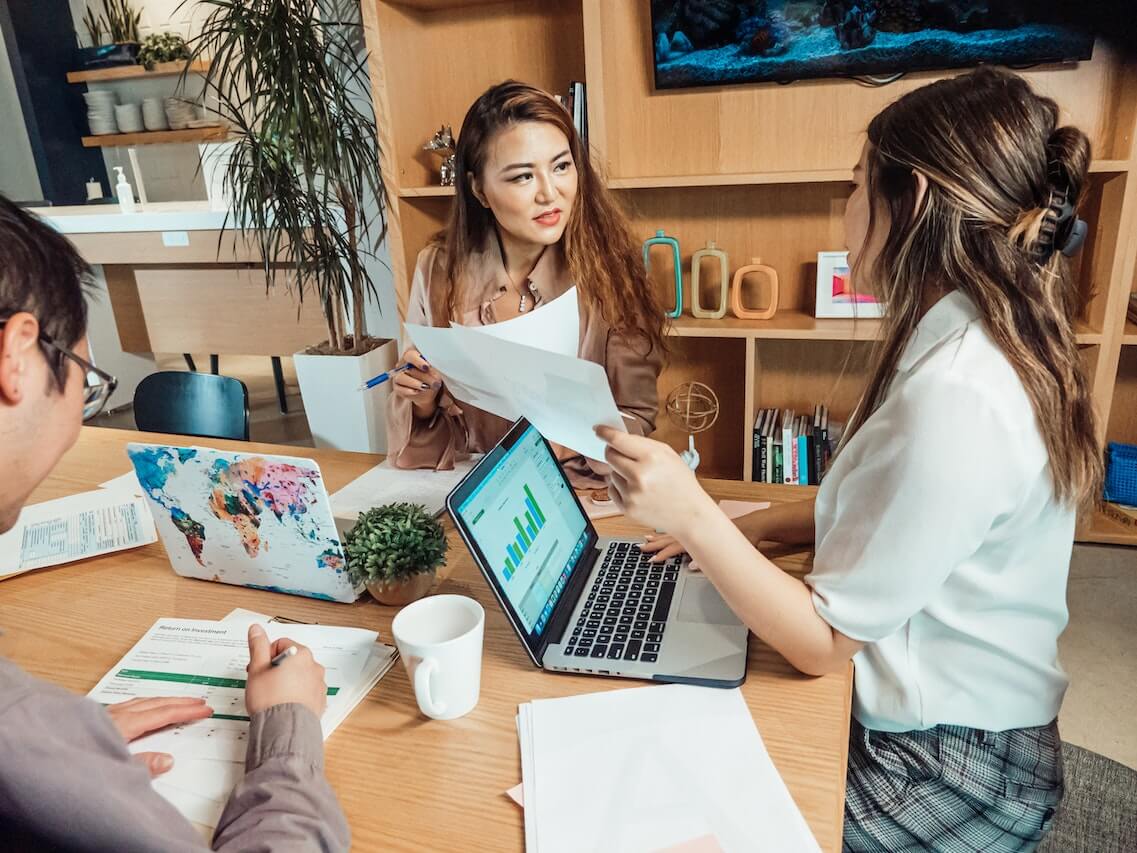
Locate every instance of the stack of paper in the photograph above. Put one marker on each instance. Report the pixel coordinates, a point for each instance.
(75, 527)
(189, 657)
(652, 769)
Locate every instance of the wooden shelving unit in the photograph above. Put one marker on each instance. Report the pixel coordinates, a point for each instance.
(133, 72)
(156, 137)
(762, 170)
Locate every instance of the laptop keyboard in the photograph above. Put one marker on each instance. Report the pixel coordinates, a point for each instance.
(625, 614)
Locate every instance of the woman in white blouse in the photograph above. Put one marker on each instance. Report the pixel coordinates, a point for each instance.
(944, 526)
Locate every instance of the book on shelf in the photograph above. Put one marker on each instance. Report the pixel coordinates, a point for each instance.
(575, 101)
(789, 454)
(790, 448)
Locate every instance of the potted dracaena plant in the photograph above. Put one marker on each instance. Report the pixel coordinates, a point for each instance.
(300, 172)
(396, 550)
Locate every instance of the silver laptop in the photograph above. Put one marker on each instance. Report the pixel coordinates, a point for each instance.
(581, 602)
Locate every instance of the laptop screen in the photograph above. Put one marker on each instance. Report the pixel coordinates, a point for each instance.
(526, 521)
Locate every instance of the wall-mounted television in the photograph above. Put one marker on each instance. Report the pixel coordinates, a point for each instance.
(717, 42)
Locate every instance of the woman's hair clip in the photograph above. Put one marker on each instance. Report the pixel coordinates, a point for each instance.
(1062, 229)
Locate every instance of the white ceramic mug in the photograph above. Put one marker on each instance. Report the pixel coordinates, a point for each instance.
(440, 641)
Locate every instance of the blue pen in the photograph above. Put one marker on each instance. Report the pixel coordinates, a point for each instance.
(383, 377)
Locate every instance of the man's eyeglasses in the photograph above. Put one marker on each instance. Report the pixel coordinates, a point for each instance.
(98, 385)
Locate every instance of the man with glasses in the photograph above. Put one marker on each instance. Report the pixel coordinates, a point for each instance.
(67, 781)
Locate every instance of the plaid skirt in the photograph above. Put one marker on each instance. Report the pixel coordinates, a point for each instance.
(951, 788)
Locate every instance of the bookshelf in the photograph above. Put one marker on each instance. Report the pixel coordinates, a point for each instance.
(762, 170)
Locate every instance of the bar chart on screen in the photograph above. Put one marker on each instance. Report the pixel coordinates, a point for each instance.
(528, 525)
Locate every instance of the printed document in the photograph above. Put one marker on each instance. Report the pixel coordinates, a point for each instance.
(201, 658)
(73, 528)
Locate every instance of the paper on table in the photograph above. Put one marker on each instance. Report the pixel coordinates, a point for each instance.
(73, 528)
(562, 396)
(555, 328)
(737, 509)
(127, 482)
(385, 484)
(653, 767)
(517, 794)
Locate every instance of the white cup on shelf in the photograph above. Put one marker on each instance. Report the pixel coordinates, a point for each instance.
(440, 641)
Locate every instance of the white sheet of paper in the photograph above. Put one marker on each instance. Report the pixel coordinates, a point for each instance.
(386, 484)
(555, 327)
(73, 528)
(562, 396)
(654, 767)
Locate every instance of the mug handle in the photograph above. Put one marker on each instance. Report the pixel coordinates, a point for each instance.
(422, 688)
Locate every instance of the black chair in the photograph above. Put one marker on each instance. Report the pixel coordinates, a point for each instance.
(199, 404)
(277, 375)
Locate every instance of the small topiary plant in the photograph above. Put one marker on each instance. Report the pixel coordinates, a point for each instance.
(393, 543)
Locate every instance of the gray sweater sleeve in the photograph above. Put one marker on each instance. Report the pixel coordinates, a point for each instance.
(284, 802)
(68, 782)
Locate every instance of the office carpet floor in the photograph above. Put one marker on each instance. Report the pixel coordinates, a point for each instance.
(1098, 649)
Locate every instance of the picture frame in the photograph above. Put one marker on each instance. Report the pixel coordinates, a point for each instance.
(835, 297)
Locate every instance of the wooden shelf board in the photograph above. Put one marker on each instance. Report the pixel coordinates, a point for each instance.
(1129, 336)
(425, 192)
(798, 325)
(128, 72)
(1110, 165)
(785, 325)
(807, 176)
(155, 137)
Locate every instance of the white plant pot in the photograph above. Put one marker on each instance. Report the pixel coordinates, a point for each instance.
(339, 414)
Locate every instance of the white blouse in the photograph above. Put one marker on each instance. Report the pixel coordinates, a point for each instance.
(940, 543)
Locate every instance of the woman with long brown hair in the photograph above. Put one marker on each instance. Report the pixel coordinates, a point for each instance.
(531, 219)
(944, 527)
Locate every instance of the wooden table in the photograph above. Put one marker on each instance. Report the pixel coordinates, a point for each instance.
(405, 782)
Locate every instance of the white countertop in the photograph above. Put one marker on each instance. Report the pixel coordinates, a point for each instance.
(156, 216)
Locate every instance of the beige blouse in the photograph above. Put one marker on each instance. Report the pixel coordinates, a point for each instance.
(458, 429)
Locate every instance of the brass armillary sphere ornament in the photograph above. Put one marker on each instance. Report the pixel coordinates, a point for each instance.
(693, 407)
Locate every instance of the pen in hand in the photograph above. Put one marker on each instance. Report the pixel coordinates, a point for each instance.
(283, 656)
(383, 377)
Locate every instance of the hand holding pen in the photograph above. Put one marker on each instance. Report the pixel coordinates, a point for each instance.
(417, 381)
(282, 672)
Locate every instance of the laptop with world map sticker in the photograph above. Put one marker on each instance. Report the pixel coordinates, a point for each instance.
(250, 519)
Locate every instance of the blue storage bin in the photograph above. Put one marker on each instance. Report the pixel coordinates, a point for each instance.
(1121, 473)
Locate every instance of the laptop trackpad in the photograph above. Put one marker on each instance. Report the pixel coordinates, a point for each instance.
(702, 603)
